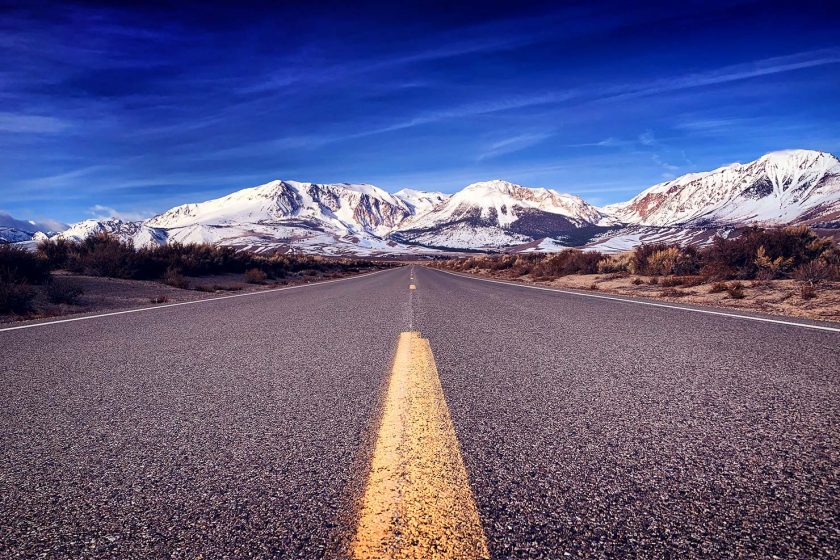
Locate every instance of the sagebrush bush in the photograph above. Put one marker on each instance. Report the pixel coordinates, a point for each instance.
(673, 292)
(718, 287)
(807, 292)
(813, 272)
(663, 262)
(17, 265)
(692, 281)
(15, 297)
(55, 251)
(735, 290)
(105, 255)
(174, 278)
(255, 276)
(641, 256)
(569, 261)
(763, 251)
(622, 262)
(61, 290)
(748, 254)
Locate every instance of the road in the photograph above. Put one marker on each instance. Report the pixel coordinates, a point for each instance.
(588, 427)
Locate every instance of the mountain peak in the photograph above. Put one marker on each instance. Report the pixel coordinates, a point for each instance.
(778, 188)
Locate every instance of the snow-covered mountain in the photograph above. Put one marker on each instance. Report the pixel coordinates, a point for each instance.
(333, 219)
(363, 220)
(421, 202)
(498, 214)
(797, 186)
(289, 215)
(345, 208)
(779, 188)
(137, 232)
(13, 230)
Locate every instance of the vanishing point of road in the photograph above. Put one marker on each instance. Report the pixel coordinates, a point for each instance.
(418, 413)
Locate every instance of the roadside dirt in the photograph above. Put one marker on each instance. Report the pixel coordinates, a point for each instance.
(775, 297)
(103, 295)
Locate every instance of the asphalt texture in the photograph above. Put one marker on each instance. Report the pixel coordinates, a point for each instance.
(589, 428)
(598, 429)
(225, 429)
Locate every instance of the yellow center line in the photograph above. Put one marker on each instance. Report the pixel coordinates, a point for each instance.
(412, 287)
(417, 502)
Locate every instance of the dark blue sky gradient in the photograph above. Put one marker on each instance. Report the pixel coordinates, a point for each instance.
(134, 109)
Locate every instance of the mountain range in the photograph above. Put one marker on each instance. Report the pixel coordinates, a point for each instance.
(13, 230)
(780, 188)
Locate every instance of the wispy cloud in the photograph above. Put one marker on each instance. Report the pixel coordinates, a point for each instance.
(647, 138)
(513, 144)
(59, 180)
(726, 74)
(565, 98)
(713, 124)
(21, 123)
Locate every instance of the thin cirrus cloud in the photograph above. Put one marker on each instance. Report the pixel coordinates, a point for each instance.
(513, 145)
(726, 74)
(22, 123)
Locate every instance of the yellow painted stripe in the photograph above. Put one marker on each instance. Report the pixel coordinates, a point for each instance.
(412, 287)
(417, 502)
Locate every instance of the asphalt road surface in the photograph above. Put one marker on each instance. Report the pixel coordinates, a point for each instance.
(588, 427)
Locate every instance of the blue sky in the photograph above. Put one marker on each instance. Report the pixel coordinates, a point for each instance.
(135, 109)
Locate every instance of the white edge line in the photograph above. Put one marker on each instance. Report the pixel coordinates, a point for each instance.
(650, 303)
(193, 302)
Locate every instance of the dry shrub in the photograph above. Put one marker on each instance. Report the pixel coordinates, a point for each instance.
(736, 290)
(768, 268)
(593, 286)
(563, 263)
(255, 276)
(17, 265)
(105, 255)
(718, 287)
(620, 263)
(641, 257)
(767, 253)
(692, 281)
(671, 281)
(636, 281)
(159, 299)
(64, 291)
(813, 272)
(653, 281)
(55, 251)
(229, 287)
(15, 297)
(673, 292)
(663, 262)
(808, 291)
(174, 278)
